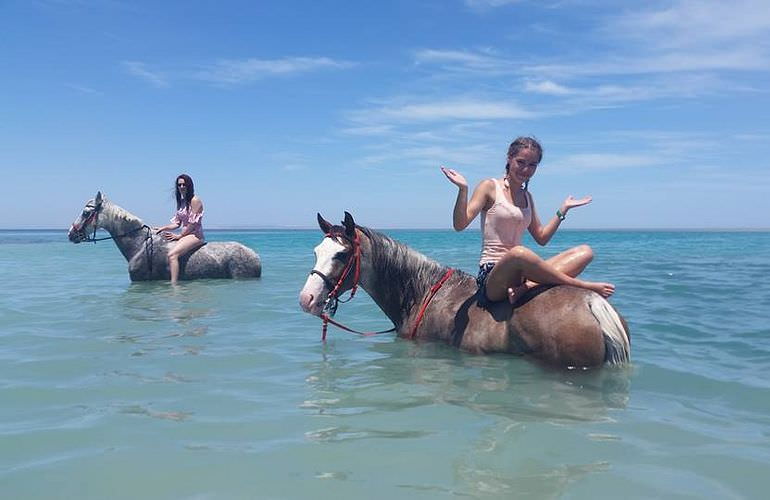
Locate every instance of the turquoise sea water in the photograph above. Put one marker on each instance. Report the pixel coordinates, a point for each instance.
(222, 389)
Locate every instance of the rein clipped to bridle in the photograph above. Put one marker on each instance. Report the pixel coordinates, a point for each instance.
(333, 299)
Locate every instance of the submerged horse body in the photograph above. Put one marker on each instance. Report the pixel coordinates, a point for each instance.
(147, 253)
(560, 325)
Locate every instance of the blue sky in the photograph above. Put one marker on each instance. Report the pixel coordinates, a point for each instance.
(281, 109)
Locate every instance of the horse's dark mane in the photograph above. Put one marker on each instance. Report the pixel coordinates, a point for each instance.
(410, 271)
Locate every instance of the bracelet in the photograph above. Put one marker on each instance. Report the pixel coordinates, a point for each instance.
(560, 215)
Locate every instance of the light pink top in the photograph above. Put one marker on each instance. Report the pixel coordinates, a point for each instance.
(185, 217)
(502, 226)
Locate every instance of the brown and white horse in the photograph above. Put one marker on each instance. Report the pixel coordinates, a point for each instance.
(561, 326)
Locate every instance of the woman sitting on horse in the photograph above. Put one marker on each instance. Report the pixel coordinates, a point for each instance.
(189, 212)
(507, 268)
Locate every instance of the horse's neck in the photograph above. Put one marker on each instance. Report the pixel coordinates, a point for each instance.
(124, 227)
(396, 277)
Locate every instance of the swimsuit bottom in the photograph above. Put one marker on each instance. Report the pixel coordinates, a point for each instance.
(481, 282)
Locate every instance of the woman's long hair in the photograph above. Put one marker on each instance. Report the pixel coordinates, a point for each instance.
(184, 202)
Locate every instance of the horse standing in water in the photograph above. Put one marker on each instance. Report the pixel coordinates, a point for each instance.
(147, 253)
(561, 326)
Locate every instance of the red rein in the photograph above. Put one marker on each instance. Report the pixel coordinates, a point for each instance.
(355, 261)
(435, 288)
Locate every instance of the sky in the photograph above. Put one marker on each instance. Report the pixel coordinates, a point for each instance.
(282, 109)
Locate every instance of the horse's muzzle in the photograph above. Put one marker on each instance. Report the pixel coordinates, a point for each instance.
(76, 235)
(311, 303)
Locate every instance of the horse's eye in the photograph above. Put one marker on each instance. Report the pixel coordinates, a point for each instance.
(340, 256)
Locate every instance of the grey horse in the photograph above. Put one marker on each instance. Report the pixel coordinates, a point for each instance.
(147, 252)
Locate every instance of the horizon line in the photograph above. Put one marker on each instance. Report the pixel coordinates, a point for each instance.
(475, 229)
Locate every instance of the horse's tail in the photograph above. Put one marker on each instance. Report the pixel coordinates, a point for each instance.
(617, 346)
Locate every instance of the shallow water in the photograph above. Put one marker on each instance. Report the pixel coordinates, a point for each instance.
(222, 389)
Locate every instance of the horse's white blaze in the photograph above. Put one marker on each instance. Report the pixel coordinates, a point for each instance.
(616, 340)
(313, 294)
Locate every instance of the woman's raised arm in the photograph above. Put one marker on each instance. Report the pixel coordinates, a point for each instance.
(464, 211)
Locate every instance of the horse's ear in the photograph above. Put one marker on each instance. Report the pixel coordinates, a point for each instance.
(98, 198)
(350, 224)
(324, 224)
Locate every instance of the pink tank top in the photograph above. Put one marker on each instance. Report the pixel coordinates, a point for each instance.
(502, 226)
(185, 217)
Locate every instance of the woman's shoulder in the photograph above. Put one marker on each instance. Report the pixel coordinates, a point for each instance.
(196, 203)
(488, 185)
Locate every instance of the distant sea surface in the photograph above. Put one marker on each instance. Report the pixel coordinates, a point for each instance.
(222, 389)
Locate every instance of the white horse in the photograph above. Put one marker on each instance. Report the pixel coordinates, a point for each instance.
(147, 253)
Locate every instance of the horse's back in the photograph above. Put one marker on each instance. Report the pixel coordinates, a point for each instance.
(224, 259)
(559, 325)
(218, 259)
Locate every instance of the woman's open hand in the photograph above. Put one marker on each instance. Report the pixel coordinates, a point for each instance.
(455, 177)
(571, 202)
(170, 236)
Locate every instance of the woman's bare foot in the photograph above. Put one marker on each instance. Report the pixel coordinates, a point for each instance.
(603, 289)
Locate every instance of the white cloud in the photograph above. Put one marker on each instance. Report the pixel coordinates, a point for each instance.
(694, 23)
(488, 3)
(458, 57)
(684, 36)
(84, 89)
(428, 155)
(249, 70)
(458, 109)
(140, 70)
(547, 87)
(232, 71)
(604, 161)
(744, 58)
(371, 130)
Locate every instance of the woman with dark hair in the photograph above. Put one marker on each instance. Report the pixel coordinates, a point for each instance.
(507, 269)
(189, 212)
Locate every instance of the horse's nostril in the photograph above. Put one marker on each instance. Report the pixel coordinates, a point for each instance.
(306, 300)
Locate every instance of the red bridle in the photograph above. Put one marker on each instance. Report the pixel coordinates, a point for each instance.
(355, 263)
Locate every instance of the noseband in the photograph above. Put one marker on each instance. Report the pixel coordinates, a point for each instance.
(333, 299)
(94, 216)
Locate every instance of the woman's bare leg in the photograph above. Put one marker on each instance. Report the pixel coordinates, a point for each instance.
(182, 246)
(506, 278)
(572, 262)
